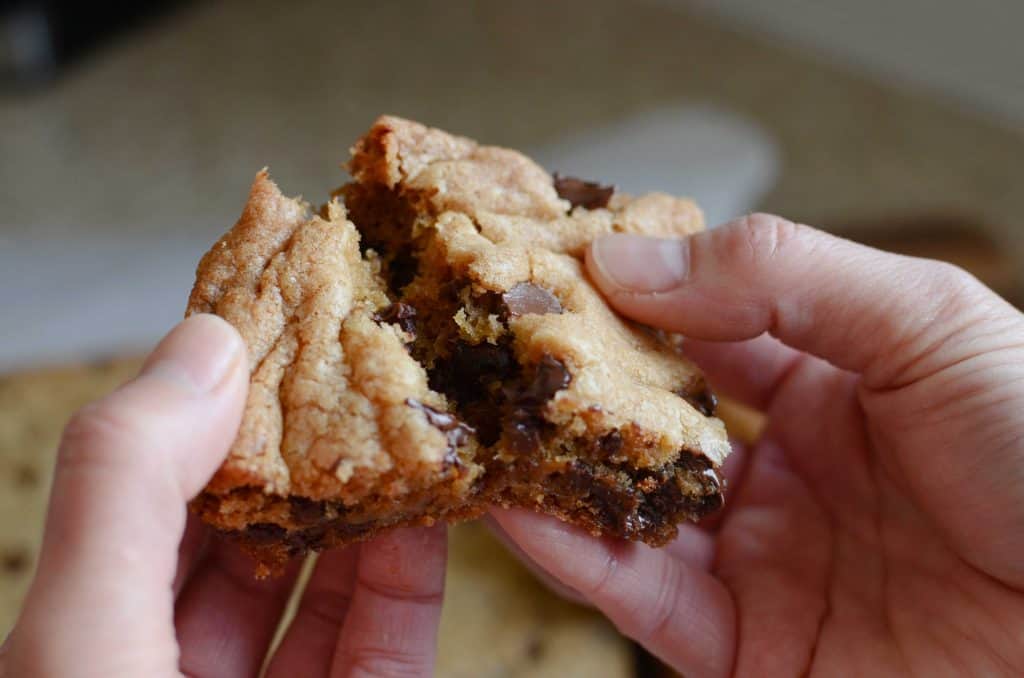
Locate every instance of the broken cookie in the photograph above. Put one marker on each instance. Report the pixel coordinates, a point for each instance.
(427, 344)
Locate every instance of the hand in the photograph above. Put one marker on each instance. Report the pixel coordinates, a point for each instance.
(878, 526)
(128, 586)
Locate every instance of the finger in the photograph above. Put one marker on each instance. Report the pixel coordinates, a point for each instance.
(555, 586)
(391, 628)
(776, 551)
(885, 316)
(692, 545)
(308, 646)
(126, 467)
(226, 617)
(679, 612)
(190, 552)
(750, 371)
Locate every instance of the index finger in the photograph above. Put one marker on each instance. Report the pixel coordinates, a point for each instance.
(678, 611)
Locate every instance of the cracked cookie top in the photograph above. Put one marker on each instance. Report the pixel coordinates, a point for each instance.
(336, 408)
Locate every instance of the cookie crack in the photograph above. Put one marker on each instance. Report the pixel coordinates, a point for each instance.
(359, 387)
(479, 229)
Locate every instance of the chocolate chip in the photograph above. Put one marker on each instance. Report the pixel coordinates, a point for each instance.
(661, 500)
(401, 314)
(527, 298)
(700, 397)
(524, 424)
(265, 533)
(468, 375)
(306, 511)
(457, 432)
(550, 377)
(534, 649)
(693, 462)
(402, 268)
(309, 539)
(613, 504)
(523, 432)
(26, 476)
(710, 479)
(610, 444)
(14, 562)
(580, 193)
(713, 481)
(468, 371)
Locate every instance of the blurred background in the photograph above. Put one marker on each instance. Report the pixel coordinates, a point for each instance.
(128, 139)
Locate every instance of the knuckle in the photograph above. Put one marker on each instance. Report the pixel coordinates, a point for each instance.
(415, 592)
(954, 283)
(371, 663)
(328, 607)
(760, 239)
(956, 296)
(600, 582)
(661, 614)
(97, 434)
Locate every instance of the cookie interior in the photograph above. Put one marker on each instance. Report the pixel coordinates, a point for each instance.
(462, 337)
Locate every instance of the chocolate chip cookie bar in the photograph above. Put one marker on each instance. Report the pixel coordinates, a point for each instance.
(427, 344)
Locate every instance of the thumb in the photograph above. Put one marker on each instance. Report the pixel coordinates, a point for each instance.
(102, 598)
(939, 355)
(882, 315)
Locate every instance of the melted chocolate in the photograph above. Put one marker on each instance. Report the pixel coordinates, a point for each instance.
(610, 444)
(306, 511)
(402, 268)
(700, 396)
(457, 432)
(265, 533)
(472, 376)
(551, 377)
(651, 500)
(525, 421)
(401, 314)
(704, 402)
(712, 479)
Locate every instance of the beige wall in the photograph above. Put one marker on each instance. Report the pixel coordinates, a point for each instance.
(971, 51)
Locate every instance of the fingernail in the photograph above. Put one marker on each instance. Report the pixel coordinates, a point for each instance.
(199, 353)
(640, 264)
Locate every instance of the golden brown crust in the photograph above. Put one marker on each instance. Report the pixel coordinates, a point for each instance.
(326, 416)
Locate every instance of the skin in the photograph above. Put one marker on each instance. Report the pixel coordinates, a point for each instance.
(149, 594)
(876, 528)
